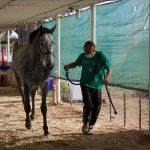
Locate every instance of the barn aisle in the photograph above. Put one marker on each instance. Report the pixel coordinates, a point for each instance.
(65, 124)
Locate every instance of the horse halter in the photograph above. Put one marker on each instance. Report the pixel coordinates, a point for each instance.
(44, 53)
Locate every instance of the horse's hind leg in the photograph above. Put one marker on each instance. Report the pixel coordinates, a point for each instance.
(44, 92)
(26, 93)
(33, 92)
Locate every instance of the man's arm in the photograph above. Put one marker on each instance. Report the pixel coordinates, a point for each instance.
(108, 74)
(76, 63)
(70, 66)
(107, 66)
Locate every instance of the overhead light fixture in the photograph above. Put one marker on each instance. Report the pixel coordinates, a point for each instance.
(73, 10)
(70, 10)
(77, 13)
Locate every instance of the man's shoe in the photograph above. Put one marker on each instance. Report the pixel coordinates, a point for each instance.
(90, 130)
(91, 127)
(85, 128)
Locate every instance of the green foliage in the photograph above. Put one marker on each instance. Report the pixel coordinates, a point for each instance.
(64, 89)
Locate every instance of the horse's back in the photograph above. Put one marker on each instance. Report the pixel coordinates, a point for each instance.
(19, 51)
(18, 58)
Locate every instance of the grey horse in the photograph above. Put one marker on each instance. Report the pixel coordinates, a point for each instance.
(33, 63)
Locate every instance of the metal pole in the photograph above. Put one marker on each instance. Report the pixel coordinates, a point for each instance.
(124, 97)
(149, 85)
(149, 89)
(0, 41)
(70, 95)
(8, 56)
(93, 23)
(58, 56)
(140, 112)
(149, 109)
(8, 46)
(54, 90)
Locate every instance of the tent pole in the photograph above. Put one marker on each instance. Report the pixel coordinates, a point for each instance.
(93, 23)
(58, 56)
(149, 88)
(8, 46)
(0, 41)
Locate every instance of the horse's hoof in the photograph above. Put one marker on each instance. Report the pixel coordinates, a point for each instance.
(32, 117)
(28, 125)
(46, 133)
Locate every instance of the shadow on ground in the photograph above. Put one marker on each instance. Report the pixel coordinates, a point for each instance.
(124, 140)
(9, 91)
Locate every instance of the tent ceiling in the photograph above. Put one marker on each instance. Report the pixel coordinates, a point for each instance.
(17, 12)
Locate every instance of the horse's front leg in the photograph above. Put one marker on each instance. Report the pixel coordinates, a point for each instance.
(44, 92)
(33, 92)
(27, 107)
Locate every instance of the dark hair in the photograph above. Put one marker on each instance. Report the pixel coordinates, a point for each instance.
(89, 43)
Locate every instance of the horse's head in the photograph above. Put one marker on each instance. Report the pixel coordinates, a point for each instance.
(45, 44)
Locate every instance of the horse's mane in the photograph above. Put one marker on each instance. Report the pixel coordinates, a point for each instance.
(42, 30)
(33, 34)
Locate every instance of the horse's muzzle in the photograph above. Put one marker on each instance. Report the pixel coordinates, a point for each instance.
(51, 66)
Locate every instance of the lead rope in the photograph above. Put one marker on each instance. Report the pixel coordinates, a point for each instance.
(108, 93)
(67, 72)
(67, 76)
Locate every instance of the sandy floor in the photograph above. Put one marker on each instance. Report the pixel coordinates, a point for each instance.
(65, 124)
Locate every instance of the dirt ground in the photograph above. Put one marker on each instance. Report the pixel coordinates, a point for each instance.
(65, 122)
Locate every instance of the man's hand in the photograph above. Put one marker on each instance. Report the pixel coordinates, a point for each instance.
(109, 72)
(66, 67)
(70, 66)
(105, 81)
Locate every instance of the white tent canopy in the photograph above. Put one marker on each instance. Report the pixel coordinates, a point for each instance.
(17, 12)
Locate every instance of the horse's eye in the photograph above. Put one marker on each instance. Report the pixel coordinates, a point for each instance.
(42, 43)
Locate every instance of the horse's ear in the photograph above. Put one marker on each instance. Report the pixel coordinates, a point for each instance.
(52, 29)
(41, 28)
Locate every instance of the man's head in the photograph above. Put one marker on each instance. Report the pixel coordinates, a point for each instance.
(89, 47)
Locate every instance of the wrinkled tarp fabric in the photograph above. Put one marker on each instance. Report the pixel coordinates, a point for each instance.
(122, 33)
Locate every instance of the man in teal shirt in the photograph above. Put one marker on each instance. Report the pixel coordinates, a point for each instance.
(93, 64)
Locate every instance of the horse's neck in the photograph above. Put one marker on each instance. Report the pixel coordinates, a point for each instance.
(35, 50)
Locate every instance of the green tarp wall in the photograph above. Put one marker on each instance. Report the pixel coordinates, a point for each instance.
(122, 33)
